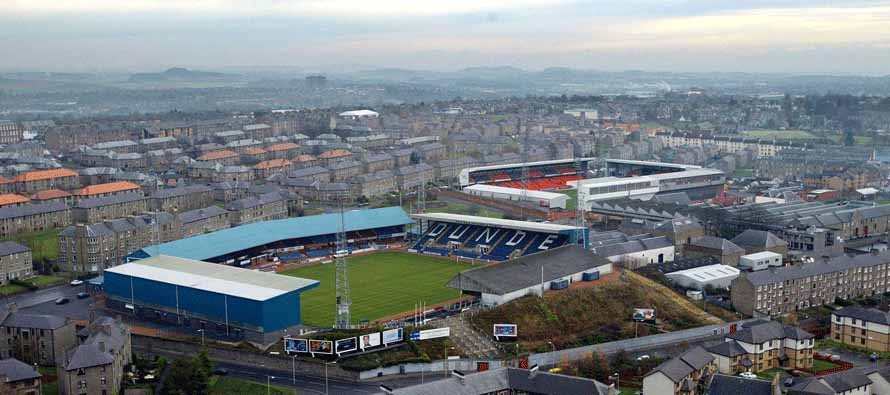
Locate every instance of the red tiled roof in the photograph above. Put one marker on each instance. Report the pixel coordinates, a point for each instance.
(282, 147)
(111, 187)
(304, 158)
(44, 175)
(334, 153)
(272, 164)
(12, 198)
(216, 155)
(49, 194)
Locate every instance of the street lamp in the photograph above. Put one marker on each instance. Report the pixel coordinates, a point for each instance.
(202, 336)
(617, 380)
(446, 359)
(552, 353)
(269, 384)
(326, 376)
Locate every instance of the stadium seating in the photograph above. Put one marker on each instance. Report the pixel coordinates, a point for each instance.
(465, 254)
(318, 253)
(290, 256)
(534, 245)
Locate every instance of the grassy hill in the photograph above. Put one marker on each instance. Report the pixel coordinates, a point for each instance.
(591, 315)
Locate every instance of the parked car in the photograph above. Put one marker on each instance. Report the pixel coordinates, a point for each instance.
(835, 358)
(75, 283)
(82, 295)
(220, 372)
(62, 300)
(748, 375)
(643, 357)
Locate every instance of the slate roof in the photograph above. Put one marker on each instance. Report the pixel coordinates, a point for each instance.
(834, 383)
(35, 321)
(718, 243)
(201, 214)
(727, 349)
(13, 370)
(11, 247)
(513, 274)
(734, 385)
(180, 191)
(837, 264)
(766, 331)
(256, 201)
(309, 171)
(758, 239)
(109, 200)
(31, 209)
(865, 314)
(674, 368)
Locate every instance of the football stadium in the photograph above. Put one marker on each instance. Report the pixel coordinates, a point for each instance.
(291, 239)
(490, 239)
(541, 176)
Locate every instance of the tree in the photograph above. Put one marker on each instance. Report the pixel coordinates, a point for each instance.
(849, 139)
(186, 377)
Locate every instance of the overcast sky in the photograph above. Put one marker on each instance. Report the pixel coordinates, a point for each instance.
(845, 36)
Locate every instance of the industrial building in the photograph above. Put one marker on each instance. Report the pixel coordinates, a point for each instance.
(302, 237)
(540, 198)
(760, 260)
(224, 302)
(717, 276)
(531, 275)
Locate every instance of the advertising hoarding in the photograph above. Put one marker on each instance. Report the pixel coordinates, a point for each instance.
(431, 334)
(369, 340)
(644, 315)
(347, 345)
(505, 330)
(393, 335)
(321, 347)
(295, 345)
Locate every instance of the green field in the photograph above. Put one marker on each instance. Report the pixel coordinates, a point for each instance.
(739, 173)
(571, 204)
(232, 386)
(779, 134)
(382, 284)
(44, 245)
(460, 208)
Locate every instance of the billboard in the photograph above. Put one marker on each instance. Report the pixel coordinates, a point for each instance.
(295, 345)
(431, 334)
(347, 345)
(644, 315)
(393, 336)
(369, 340)
(321, 347)
(506, 330)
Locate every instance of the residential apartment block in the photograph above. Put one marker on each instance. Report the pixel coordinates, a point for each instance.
(182, 199)
(764, 345)
(109, 207)
(203, 220)
(96, 365)
(783, 290)
(33, 217)
(91, 248)
(15, 262)
(268, 206)
(861, 327)
(38, 180)
(35, 338)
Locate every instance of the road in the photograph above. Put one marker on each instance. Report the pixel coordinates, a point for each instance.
(305, 384)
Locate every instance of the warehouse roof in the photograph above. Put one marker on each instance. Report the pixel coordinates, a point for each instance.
(497, 222)
(519, 273)
(212, 277)
(708, 273)
(243, 237)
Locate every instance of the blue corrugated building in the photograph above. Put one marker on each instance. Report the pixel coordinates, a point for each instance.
(225, 302)
(228, 245)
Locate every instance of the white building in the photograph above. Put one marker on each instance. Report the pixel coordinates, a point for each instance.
(358, 114)
(638, 252)
(717, 276)
(586, 113)
(760, 260)
(540, 198)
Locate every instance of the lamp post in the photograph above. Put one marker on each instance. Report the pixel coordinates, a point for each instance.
(617, 380)
(202, 336)
(269, 384)
(293, 367)
(552, 353)
(446, 359)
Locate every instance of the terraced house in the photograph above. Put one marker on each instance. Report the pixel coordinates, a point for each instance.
(783, 290)
(109, 207)
(38, 180)
(15, 262)
(686, 374)
(94, 247)
(179, 199)
(33, 217)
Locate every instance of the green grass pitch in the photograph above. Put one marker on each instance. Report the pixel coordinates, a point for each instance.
(381, 284)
